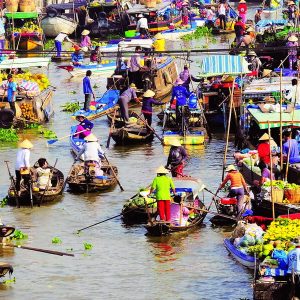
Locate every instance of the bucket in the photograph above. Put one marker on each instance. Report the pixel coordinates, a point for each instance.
(12, 5)
(150, 3)
(27, 5)
(130, 33)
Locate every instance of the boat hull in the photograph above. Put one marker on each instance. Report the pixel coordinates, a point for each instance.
(126, 136)
(195, 138)
(53, 26)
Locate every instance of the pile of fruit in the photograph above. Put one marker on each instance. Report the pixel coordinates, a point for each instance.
(139, 200)
(29, 27)
(27, 111)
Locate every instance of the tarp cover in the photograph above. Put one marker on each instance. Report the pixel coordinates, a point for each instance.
(262, 119)
(223, 65)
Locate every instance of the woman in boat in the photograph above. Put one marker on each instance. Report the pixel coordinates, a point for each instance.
(265, 173)
(22, 167)
(92, 152)
(124, 99)
(239, 29)
(292, 52)
(242, 9)
(222, 8)
(85, 42)
(185, 13)
(176, 159)
(159, 43)
(43, 174)
(185, 76)
(162, 184)
(238, 186)
(142, 26)
(261, 221)
(293, 94)
(84, 127)
(257, 16)
(148, 101)
(177, 210)
(94, 57)
(135, 67)
(255, 62)
(264, 148)
(77, 56)
(61, 37)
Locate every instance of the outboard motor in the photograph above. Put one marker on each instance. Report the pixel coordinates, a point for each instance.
(228, 206)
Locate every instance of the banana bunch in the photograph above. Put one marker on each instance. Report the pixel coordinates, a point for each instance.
(41, 79)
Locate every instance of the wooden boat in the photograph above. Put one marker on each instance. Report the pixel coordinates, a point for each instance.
(132, 134)
(190, 138)
(244, 259)
(177, 33)
(100, 69)
(52, 26)
(105, 105)
(24, 62)
(5, 268)
(160, 78)
(119, 121)
(188, 188)
(79, 182)
(53, 192)
(126, 45)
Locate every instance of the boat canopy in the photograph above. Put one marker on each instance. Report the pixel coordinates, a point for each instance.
(25, 62)
(188, 185)
(69, 5)
(273, 118)
(21, 15)
(264, 23)
(215, 65)
(142, 9)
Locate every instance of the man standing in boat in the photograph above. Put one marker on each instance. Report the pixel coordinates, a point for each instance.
(58, 42)
(87, 90)
(135, 66)
(142, 26)
(11, 93)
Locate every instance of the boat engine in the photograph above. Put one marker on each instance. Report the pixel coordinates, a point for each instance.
(228, 206)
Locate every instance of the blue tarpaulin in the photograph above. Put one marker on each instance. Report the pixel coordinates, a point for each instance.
(223, 65)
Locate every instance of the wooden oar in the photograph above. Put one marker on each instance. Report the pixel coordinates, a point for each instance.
(50, 142)
(111, 128)
(12, 179)
(152, 129)
(114, 173)
(39, 250)
(69, 174)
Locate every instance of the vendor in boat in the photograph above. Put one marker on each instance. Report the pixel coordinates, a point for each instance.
(22, 167)
(43, 174)
(266, 144)
(11, 93)
(177, 157)
(263, 222)
(210, 16)
(124, 99)
(179, 213)
(292, 44)
(94, 57)
(185, 76)
(290, 148)
(239, 29)
(142, 26)
(148, 102)
(247, 39)
(265, 173)
(185, 13)
(293, 94)
(242, 9)
(122, 67)
(255, 62)
(61, 37)
(84, 127)
(238, 186)
(222, 9)
(162, 184)
(77, 56)
(87, 90)
(85, 43)
(135, 67)
(294, 263)
(160, 43)
(257, 16)
(92, 152)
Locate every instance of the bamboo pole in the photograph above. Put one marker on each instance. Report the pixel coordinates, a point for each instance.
(280, 130)
(271, 172)
(228, 128)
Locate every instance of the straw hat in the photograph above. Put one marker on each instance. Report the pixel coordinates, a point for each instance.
(291, 3)
(140, 16)
(266, 72)
(91, 138)
(265, 137)
(176, 143)
(159, 36)
(179, 81)
(162, 170)
(149, 93)
(133, 86)
(242, 1)
(252, 53)
(85, 32)
(230, 168)
(26, 144)
(293, 38)
(250, 29)
(80, 115)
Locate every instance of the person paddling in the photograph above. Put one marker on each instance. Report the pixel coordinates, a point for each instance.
(176, 159)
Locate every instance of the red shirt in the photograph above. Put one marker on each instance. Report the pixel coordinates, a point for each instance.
(242, 8)
(263, 150)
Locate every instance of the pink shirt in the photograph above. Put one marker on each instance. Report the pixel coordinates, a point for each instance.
(175, 214)
(85, 41)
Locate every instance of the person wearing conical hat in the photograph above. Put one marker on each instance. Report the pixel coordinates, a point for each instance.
(238, 186)
(292, 51)
(177, 157)
(266, 144)
(148, 102)
(159, 43)
(242, 9)
(85, 42)
(162, 184)
(77, 56)
(22, 166)
(255, 62)
(84, 127)
(60, 38)
(92, 154)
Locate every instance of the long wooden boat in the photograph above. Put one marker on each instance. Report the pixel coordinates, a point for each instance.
(50, 195)
(79, 182)
(126, 45)
(132, 134)
(177, 33)
(52, 26)
(192, 137)
(100, 69)
(244, 259)
(119, 121)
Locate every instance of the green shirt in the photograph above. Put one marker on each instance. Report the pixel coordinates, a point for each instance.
(162, 185)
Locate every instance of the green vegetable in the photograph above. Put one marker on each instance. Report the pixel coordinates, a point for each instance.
(87, 246)
(56, 240)
(197, 34)
(48, 134)
(8, 135)
(19, 235)
(4, 202)
(49, 44)
(71, 106)
(32, 126)
(8, 281)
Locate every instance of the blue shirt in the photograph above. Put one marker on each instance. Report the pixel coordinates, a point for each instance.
(294, 261)
(87, 88)
(86, 124)
(11, 88)
(180, 93)
(147, 104)
(77, 57)
(294, 152)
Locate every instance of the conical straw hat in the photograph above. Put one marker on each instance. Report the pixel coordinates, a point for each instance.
(265, 137)
(26, 144)
(162, 170)
(149, 93)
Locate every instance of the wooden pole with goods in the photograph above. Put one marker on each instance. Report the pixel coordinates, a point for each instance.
(228, 129)
(271, 173)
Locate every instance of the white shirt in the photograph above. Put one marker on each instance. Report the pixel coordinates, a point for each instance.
(23, 156)
(43, 177)
(61, 37)
(294, 261)
(91, 151)
(222, 10)
(142, 23)
(294, 94)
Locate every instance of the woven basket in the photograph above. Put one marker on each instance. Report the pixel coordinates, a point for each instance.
(293, 196)
(277, 195)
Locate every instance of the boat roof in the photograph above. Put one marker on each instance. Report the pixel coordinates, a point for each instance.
(142, 9)
(214, 65)
(264, 23)
(22, 15)
(188, 184)
(25, 62)
(69, 5)
(264, 119)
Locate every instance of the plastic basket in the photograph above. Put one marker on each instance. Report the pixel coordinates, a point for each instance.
(130, 33)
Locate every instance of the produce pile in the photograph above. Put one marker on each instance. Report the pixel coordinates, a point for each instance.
(27, 111)
(29, 27)
(139, 200)
(8, 135)
(71, 106)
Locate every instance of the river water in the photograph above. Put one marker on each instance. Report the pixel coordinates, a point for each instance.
(124, 263)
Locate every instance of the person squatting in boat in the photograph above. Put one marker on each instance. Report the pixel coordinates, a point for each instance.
(43, 173)
(84, 127)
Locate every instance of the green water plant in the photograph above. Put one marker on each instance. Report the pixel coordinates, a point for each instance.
(19, 235)
(200, 32)
(87, 246)
(71, 106)
(56, 240)
(8, 135)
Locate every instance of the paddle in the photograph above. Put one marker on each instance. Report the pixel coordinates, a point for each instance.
(12, 179)
(161, 140)
(48, 182)
(69, 174)
(30, 192)
(111, 128)
(39, 250)
(114, 173)
(50, 142)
